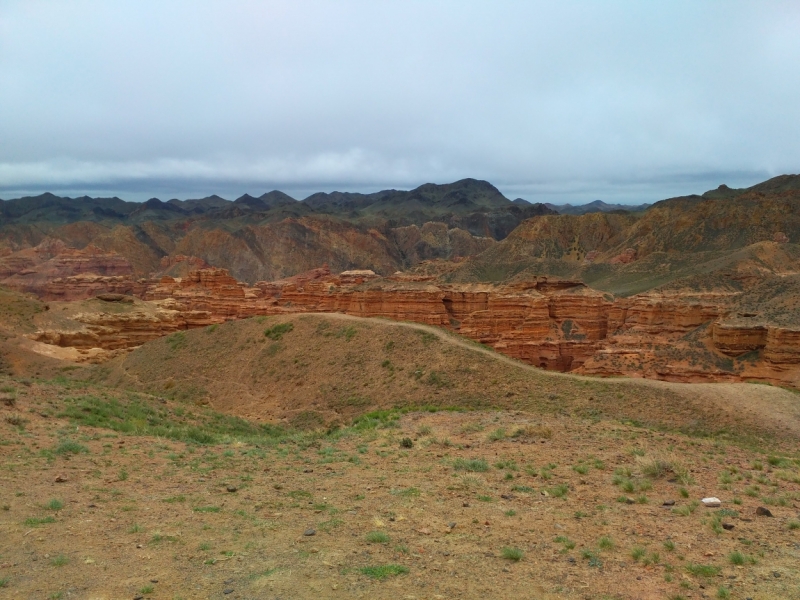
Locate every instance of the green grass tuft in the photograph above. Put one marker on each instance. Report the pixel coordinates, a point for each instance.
(383, 571)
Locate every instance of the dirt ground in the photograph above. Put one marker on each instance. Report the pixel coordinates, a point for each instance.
(492, 504)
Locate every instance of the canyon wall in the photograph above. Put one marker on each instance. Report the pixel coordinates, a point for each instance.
(552, 323)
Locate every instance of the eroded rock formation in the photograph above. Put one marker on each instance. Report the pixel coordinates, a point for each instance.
(552, 323)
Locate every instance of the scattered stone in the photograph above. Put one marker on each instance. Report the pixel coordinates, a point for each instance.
(227, 591)
(507, 496)
(763, 512)
(465, 504)
(228, 581)
(727, 526)
(776, 574)
(310, 532)
(712, 502)
(154, 581)
(630, 501)
(668, 503)
(232, 488)
(424, 531)
(308, 470)
(61, 478)
(138, 597)
(451, 524)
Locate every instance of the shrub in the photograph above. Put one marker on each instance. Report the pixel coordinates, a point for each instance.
(497, 435)
(70, 447)
(276, 332)
(510, 553)
(476, 465)
(377, 537)
(55, 504)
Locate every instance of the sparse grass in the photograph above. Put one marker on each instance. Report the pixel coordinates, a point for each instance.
(148, 589)
(16, 420)
(4, 582)
(533, 432)
(67, 447)
(638, 552)
(276, 332)
(378, 537)
(206, 509)
(568, 543)
(699, 570)
(383, 571)
(59, 560)
(605, 543)
(475, 465)
(737, 558)
(512, 553)
(36, 521)
(411, 492)
(55, 504)
(558, 491)
(497, 435)
(424, 430)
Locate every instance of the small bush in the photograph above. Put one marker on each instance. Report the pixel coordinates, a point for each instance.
(378, 537)
(55, 504)
(605, 543)
(476, 465)
(16, 419)
(497, 435)
(67, 447)
(275, 333)
(510, 553)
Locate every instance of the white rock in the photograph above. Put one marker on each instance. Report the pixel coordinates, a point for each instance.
(712, 502)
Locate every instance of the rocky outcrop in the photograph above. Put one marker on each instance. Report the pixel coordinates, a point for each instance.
(54, 271)
(783, 347)
(114, 331)
(552, 323)
(736, 339)
(88, 285)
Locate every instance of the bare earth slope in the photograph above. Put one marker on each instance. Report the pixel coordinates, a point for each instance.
(329, 368)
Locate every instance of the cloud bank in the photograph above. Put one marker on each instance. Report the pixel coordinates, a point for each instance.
(572, 101)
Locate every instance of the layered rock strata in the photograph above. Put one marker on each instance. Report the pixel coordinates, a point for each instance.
(552, 323)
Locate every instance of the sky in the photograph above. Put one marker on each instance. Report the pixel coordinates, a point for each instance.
(557, 102)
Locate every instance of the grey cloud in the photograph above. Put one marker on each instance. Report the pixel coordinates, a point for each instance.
(572, 101)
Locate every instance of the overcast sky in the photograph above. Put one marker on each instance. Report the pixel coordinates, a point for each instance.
(550, 101)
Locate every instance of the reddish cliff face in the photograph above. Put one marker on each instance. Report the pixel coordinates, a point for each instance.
(55, 271)
(552, 323)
